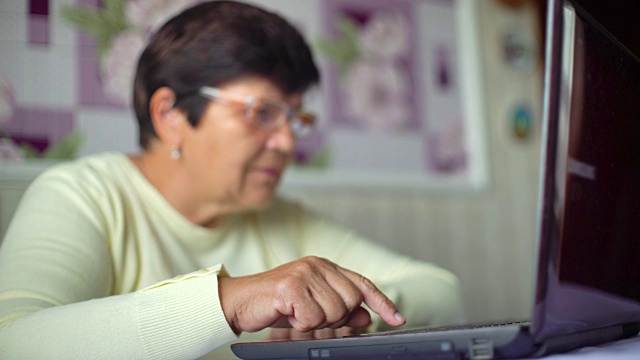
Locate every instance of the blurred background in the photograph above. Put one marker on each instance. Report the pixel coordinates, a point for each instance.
(436, 158)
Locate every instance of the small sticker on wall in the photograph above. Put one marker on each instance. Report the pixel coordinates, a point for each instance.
(519, 49)
(522, 122)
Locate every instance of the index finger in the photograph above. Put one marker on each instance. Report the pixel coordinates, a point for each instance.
(375, 299)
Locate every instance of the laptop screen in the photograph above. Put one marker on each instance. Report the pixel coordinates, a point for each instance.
(601, 222)
(593, 265)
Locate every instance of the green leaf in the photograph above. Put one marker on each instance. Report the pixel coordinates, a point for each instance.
(102, 24)
(86, 19)
(28, 151)
(114, 11)
(114, 15)
(322, 159)
(348, 28)
(319, 160)
(67, 148)
(344, 49)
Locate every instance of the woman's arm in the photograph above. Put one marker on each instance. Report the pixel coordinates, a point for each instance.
(425, 293)
(56, 289)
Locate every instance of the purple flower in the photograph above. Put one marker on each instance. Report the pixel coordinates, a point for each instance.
(377, 96)
(447, 147)
(119, 63)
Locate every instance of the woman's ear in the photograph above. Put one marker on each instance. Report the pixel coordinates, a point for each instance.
(167, 120)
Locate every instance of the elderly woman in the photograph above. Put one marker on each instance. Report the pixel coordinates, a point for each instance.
(114, 256)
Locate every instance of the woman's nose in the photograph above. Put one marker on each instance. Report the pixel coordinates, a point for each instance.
(282, 139)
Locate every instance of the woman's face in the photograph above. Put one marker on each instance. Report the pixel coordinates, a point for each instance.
(230, 160)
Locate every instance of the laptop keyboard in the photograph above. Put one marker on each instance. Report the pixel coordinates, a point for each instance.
(451, 327)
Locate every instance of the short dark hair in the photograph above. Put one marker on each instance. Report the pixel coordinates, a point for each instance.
(216, 42)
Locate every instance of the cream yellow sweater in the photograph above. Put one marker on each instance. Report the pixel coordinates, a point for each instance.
(97, 265)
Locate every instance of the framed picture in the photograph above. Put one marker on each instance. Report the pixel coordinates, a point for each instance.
(400, 98)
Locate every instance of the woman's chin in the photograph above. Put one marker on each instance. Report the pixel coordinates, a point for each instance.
(260, 201)
(259, 196)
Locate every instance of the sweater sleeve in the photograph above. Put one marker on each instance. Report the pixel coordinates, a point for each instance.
(425, 293)
(56, 291)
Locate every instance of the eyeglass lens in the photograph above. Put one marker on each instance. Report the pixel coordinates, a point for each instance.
(269, 115)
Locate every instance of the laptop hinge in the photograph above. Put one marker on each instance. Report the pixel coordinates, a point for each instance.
(481, 349)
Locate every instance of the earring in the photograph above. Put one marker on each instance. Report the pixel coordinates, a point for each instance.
(175, 153)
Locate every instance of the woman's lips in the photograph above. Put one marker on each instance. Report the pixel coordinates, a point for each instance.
(269, 171)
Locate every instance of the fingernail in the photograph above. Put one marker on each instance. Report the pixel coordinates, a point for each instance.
(399, 317)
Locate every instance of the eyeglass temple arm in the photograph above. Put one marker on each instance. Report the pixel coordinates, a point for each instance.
(251, 103)
(306, 118)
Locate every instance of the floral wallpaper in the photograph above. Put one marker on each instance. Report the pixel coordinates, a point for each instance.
(392, 78)
(372, 50)
(391, 103)
(120, 28)
(110, 36)
(26, 130)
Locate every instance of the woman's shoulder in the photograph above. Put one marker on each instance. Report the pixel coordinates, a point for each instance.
(105, 162)
(93, 171)
(87, 185)
(94, 162)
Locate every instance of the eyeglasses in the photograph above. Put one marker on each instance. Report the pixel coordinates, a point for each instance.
(267, 114)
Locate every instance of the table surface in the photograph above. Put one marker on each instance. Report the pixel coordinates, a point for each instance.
(619, 350)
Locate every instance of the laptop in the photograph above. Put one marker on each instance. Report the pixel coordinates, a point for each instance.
(588, 245)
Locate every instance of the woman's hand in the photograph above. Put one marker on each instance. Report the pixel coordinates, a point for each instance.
(307, 294)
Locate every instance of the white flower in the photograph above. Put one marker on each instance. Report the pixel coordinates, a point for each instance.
(119, 66)
(377, 96)
(146, 15)
(447, 147)
(6, 101)
(9, 151)
(385, 36)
